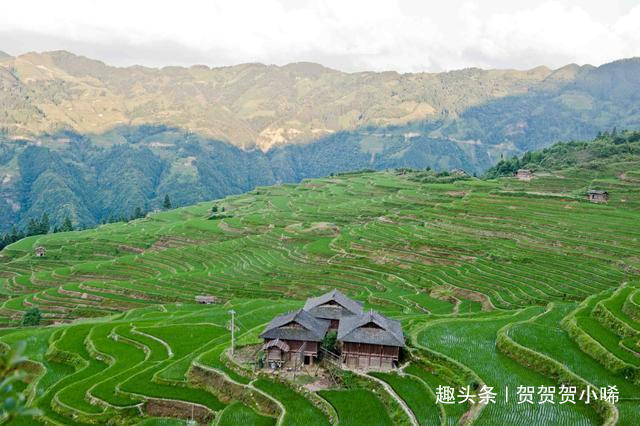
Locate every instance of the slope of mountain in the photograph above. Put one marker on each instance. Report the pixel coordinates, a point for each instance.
(516, 283)
(247, 105)
(90, 141)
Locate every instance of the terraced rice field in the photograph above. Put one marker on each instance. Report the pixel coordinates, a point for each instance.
(481, 273)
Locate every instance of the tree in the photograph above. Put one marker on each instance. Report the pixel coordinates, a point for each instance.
(329, 341)
(137, 213)
(214, 209)
(167, 202)
(66, 225)
(32, 317)
(33, 228)
(12, 402)
(44, 224)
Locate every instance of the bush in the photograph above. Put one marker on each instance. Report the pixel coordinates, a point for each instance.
(329, 342)
(32, 317)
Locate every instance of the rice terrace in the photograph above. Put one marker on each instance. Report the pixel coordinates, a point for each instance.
(509, 292)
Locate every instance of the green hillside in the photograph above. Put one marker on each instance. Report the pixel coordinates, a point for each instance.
(75, 142)
(498, 282)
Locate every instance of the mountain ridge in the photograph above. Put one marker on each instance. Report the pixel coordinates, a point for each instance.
(247, 105)
(473, 119)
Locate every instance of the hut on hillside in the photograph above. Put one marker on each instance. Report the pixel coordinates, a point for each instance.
(206, 300)
(40, 251)
(293, 338)
(524, 174)
(596, 196)
(332, 306)
(370, 340)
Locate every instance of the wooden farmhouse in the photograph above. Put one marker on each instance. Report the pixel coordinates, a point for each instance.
(332, 306)
(366, 339)
(293, 337)
(40, 251)
(598, 196)
(524, 174)
(370, 340)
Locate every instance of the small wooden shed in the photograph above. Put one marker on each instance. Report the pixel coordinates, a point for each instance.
(596, 196)
(40, 251)
(206, 300)
(524, 174)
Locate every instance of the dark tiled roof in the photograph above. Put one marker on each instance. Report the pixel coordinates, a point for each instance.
(347, 306)
(390, 332)
(597, 192)
(278, 344)
(313, 329)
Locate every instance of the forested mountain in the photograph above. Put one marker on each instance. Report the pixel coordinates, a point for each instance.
(85, 140)
(606, 149)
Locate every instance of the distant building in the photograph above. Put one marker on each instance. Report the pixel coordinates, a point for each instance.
(596, 196)
(524, 174)
(370, 340)
(40, 251)
(332, 306)
(206, 300)
(367, 339)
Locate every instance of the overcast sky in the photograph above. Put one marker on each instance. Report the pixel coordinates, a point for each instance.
(351, 35)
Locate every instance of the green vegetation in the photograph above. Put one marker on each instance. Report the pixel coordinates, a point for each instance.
(239, 414)
(416, 394)
(357, 407)
(605, 149)
(13, 405)
(299, 411)
(92, 172)
(497, 282)
(32, 316)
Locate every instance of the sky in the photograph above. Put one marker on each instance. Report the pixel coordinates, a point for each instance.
(349, 35)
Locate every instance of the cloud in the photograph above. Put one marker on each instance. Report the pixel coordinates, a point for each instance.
(352, 35)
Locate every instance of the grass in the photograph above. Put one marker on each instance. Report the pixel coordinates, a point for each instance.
(357, 407)
(239, 414)
(415, 394)
(472, 342)
(424, 253)
(299, 411)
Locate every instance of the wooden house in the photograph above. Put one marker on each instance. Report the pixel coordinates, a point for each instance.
(596, 196)
(332, 306)
(206, 300)
(524, 174)
(40, 251)
(370, 340)
(293, 338)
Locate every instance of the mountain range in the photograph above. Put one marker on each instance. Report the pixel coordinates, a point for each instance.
(82, 139)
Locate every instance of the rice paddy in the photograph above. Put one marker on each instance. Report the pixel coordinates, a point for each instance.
(463, 265)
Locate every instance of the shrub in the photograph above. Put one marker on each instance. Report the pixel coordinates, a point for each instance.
(32, 317)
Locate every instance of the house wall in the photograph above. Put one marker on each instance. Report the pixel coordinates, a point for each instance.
(365, 356)
(597, 198)
(275, 354)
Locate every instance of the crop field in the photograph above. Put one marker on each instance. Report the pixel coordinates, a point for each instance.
(497, 282)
